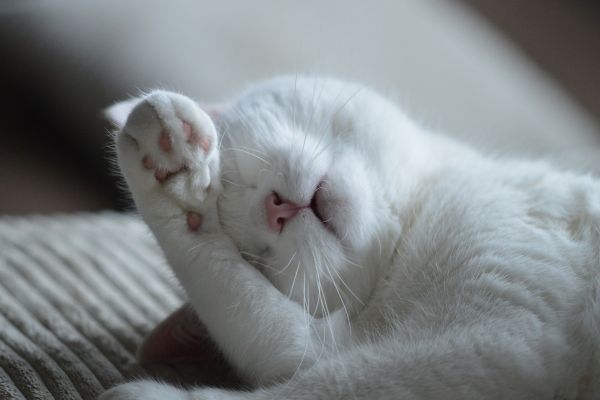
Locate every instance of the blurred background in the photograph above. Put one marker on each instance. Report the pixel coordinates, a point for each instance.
(514, 77)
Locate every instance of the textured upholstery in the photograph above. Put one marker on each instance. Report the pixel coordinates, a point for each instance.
(77, 296)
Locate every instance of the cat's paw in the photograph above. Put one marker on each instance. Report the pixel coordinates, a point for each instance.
(144, 390)
(168, 153)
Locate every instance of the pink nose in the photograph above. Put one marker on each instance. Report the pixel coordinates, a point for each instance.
(278, 211)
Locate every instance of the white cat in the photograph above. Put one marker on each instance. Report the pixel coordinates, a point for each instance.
(336, 250)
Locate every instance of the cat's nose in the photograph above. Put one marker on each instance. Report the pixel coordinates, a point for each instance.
(279, 211)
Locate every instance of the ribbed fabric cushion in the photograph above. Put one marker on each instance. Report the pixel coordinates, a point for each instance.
(78, 294)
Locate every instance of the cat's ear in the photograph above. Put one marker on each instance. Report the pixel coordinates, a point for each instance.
(117, 113)
(181, 337)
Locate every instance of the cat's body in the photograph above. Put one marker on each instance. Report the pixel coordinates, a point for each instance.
(398, 264)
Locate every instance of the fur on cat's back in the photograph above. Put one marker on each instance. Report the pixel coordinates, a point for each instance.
(336, 249)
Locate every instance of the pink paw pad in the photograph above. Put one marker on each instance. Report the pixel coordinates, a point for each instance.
(148, 162)
(205, 144)
(194, 221)
(193, 138)
(164, 141)
(189, 132)
(162, 175)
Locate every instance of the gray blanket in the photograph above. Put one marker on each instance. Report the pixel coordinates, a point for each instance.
(77, 296)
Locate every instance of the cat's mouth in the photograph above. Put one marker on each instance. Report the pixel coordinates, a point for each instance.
(318, 205)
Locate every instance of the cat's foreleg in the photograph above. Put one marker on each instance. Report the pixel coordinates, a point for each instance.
(467, 366)
(168, 153)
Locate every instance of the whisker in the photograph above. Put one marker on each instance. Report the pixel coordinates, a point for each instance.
(348, 287)
(328, 270)
(291, 290)
(234, 183)
(248, 153)
(288, 264)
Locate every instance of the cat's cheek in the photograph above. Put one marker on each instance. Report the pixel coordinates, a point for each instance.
(244, 221)
(351, 202)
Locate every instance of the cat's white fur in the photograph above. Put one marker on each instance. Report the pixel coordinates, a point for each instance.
(441, 273)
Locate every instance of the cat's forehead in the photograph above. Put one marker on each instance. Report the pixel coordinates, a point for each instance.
(299, 101)
(290, 124)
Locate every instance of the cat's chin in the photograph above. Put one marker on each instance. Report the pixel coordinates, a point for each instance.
(306, 256)
(307, 229)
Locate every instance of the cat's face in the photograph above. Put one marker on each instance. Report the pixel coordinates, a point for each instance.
(300, 192)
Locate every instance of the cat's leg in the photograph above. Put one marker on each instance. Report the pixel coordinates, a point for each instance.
(168, 153)
(469, 365)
